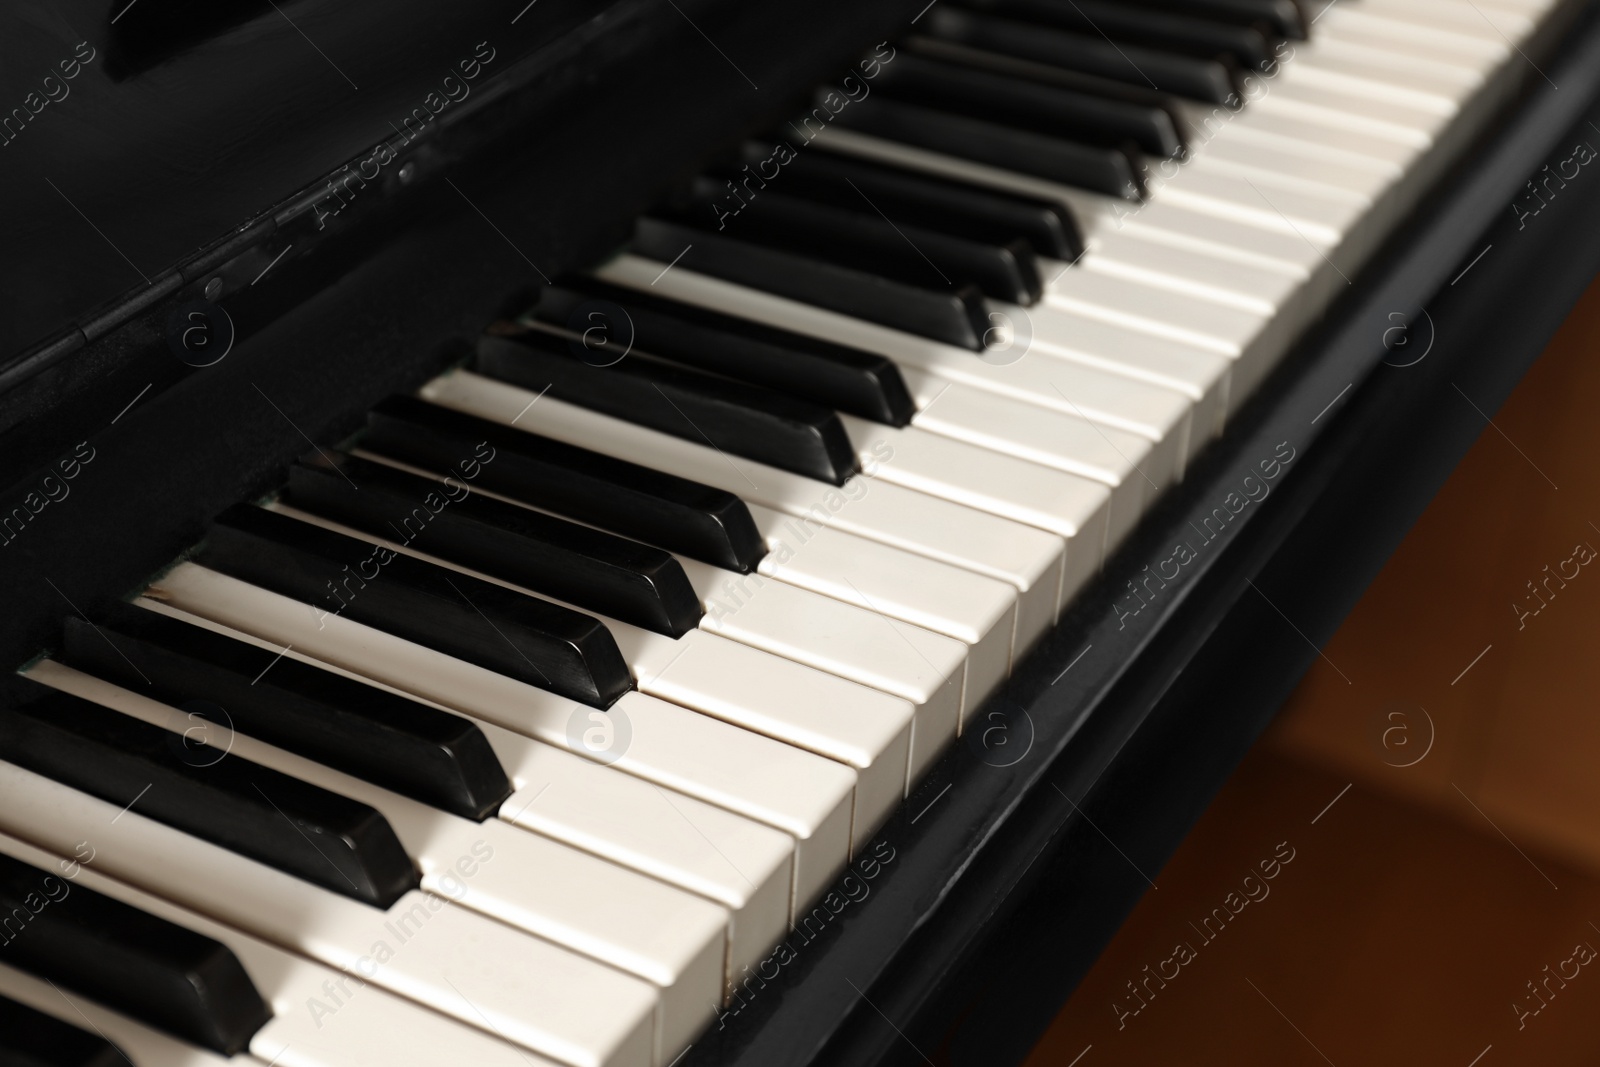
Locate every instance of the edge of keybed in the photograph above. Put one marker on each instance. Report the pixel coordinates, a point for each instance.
(1004, 883)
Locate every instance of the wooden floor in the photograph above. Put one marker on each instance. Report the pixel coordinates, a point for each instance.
(1442, 812)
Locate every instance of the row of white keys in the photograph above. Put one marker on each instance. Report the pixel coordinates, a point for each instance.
(674, 940)
(1029, 559)
(977, 611)
(536, 995)
(864, 728)
(1159, 415)
(806, 796)
(321, 1018)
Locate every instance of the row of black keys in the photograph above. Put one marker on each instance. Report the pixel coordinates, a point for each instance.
(1071, 92)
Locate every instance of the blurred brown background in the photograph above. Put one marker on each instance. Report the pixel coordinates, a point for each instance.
(1441, 908)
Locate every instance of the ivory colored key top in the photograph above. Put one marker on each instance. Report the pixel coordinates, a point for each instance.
(980, 611)
(675, 941)
(1133, 257)
(808, 797)
(1104, 454)
(1111, 399)
(1363, 176)
(1077, 508)
(1430, 42)
(743, 865)
(321, 1017)
(1307, 136)
(924, 668)
(1203, 378)
(865, 729)
(1029, 559)
(481, 972)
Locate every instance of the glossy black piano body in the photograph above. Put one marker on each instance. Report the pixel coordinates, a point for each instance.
(990, 893)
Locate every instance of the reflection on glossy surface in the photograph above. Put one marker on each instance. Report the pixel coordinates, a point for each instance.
(132, 134)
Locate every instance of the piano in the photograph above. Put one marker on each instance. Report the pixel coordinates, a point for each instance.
(652, 533)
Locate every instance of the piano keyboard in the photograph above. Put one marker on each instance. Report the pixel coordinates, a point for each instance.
(520, 727)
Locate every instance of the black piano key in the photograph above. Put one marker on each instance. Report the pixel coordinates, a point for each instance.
(1026, 104)
(522, 636)
(273, 818)
(734, 417)
(579, 564)
(956, 318)
(845, 379)
(418, 751)
(31, 1038)
(1101, 169)
(1283, 18)
(1201, 79)
(975, 212)
(1011, 66)
(865, 237)
(1185, 33)
(166, 976)
(675, 513)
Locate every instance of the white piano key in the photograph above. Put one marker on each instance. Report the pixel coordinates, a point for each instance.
(1160, 415)
(1421, 90)
(1430, 42)
(1029, 559)
(321, 1017)
(744, 865)
(669, 938)
(1133, 257)
(1308, 136)
(1252, 342)
(1105, 454)
(1200, 377)
(1320, 218)
(480, 972)
(978, 611)
(865, 729)
(1364, 176)
(1331, 52)
(1077, 509)
(1485, 21)
(919, 666)
(1352, 114)
(1351, 198)
(142, 1045)
(806, 796)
